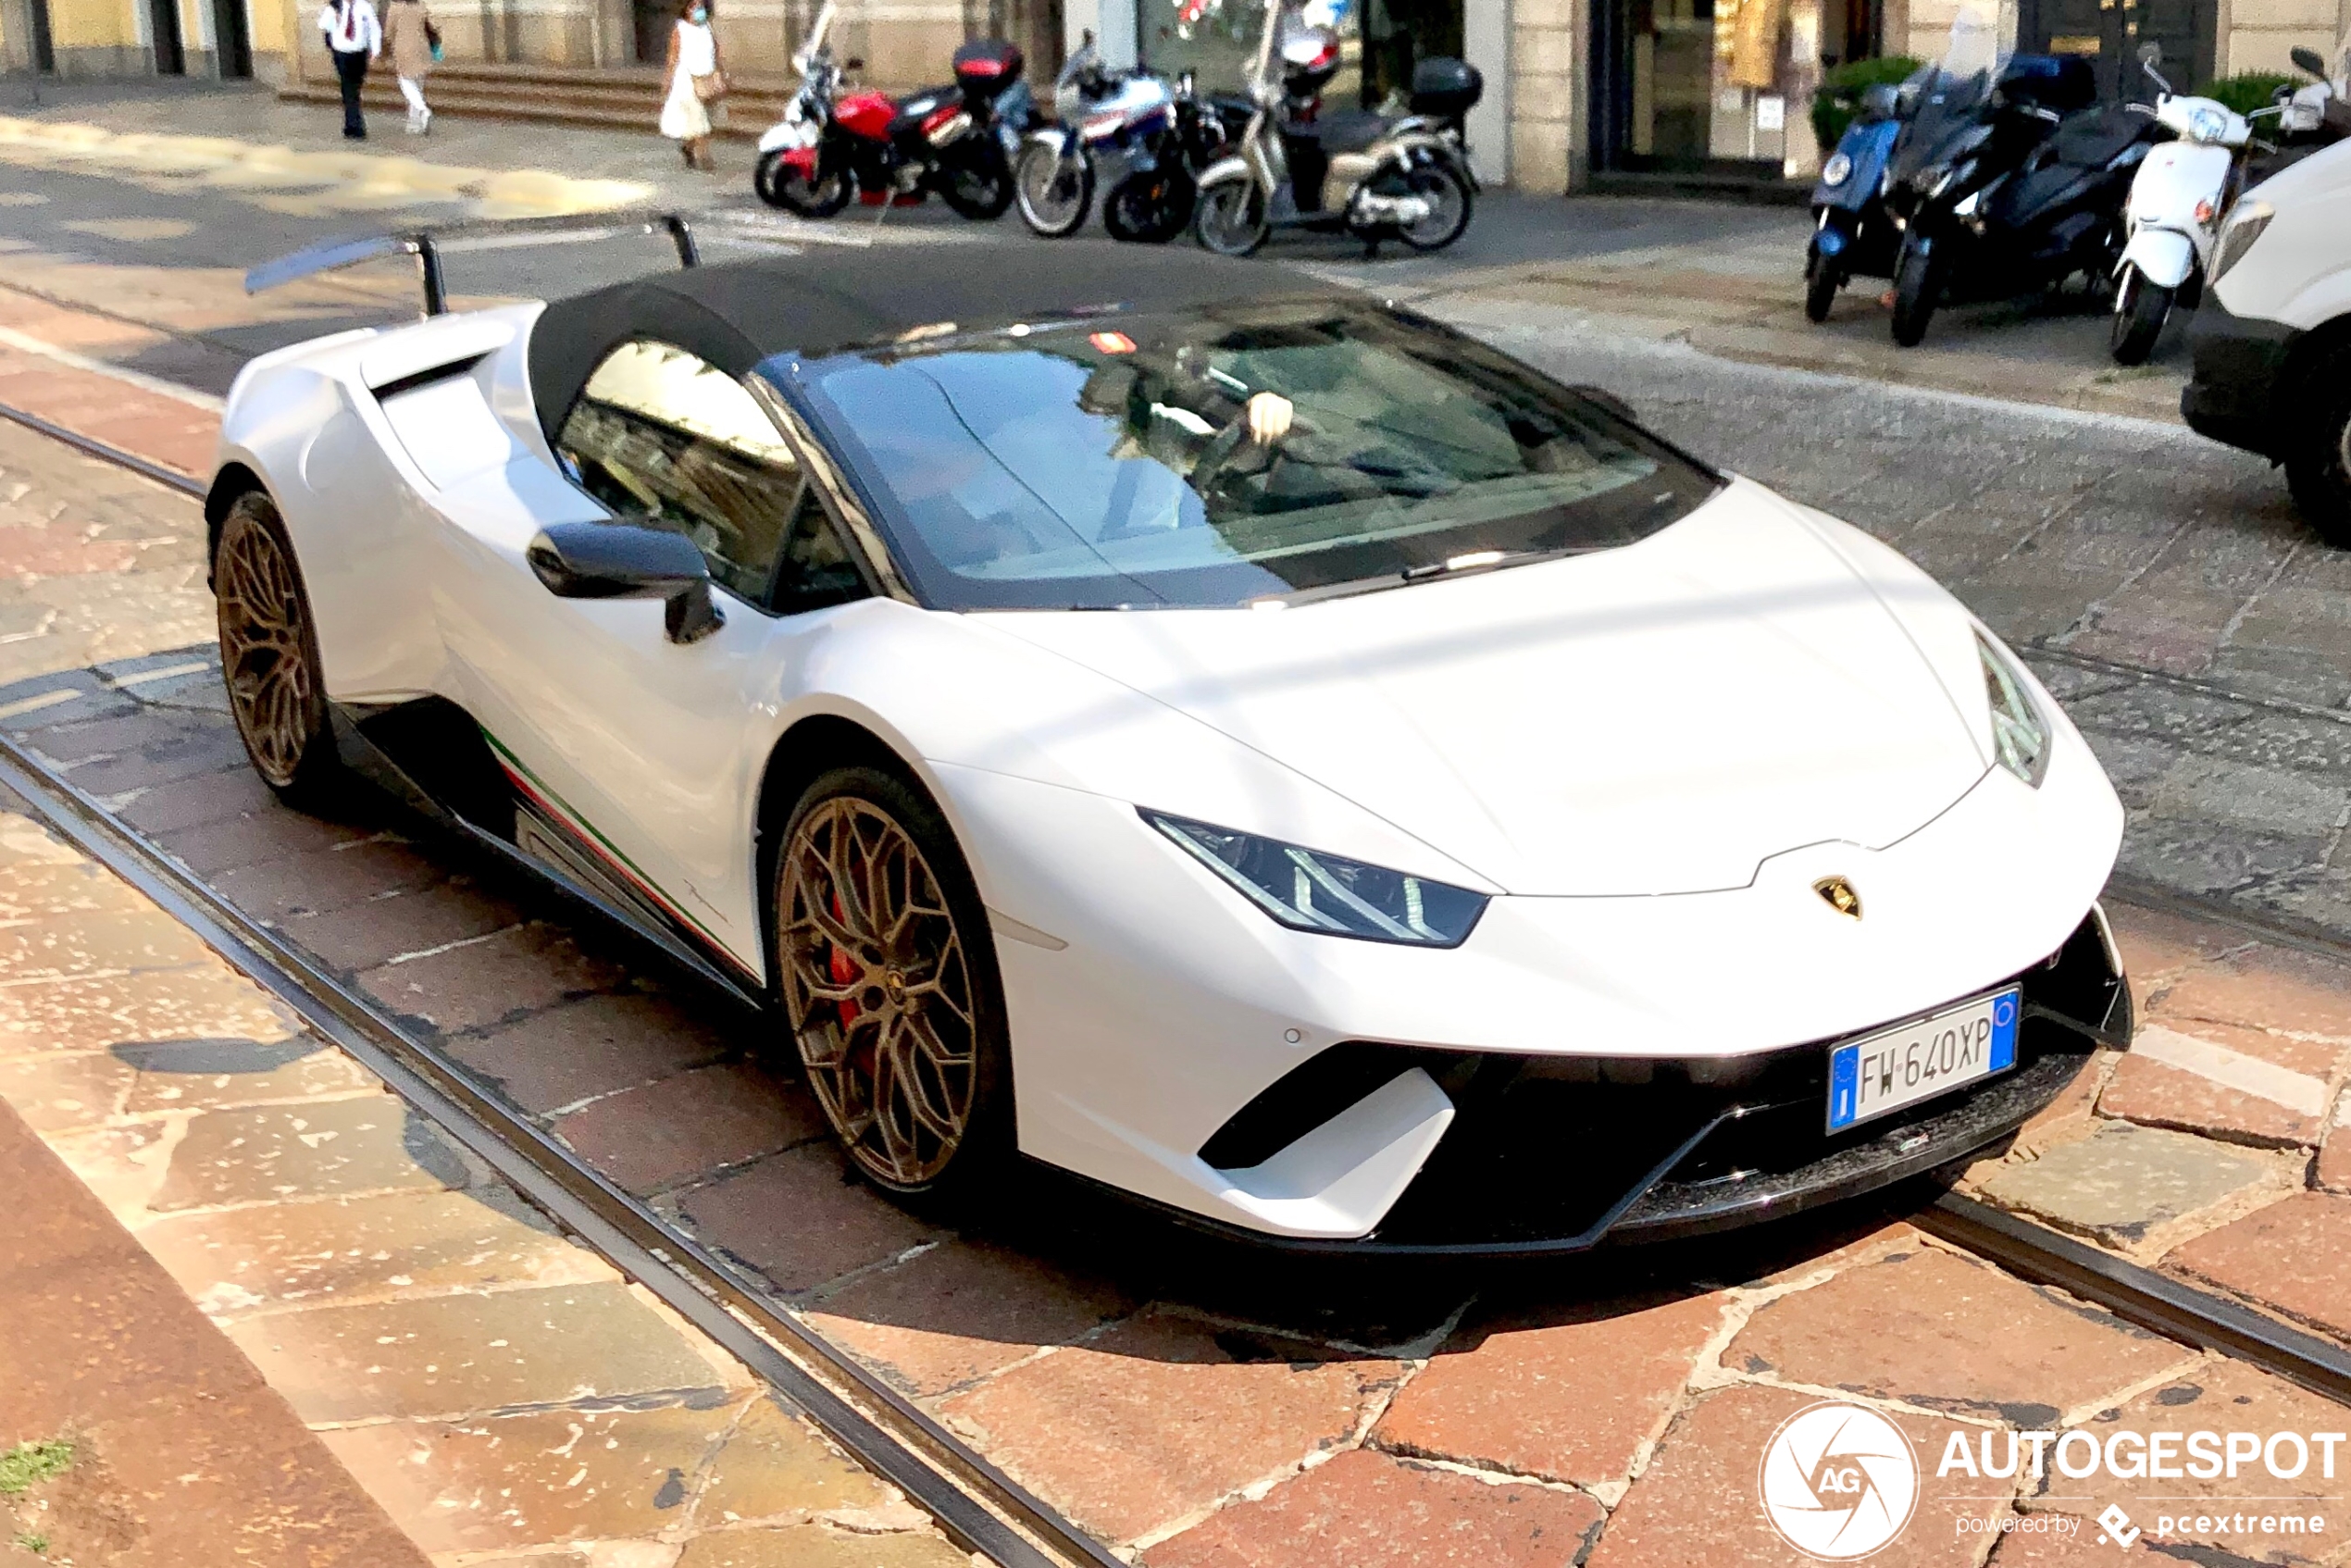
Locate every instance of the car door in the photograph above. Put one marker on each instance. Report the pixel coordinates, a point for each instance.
(636, 760)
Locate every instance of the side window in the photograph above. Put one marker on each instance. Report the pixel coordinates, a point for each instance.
(816, 568)
(658, 432)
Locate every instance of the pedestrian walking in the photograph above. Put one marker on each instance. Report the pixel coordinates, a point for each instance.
(353, 37)
(415, 43)
(694, 92)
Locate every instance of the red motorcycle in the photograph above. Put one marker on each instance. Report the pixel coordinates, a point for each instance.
(958, 141)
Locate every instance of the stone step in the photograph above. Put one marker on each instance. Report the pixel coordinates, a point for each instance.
(623, 97)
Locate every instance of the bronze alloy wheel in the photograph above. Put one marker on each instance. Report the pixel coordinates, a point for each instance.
(265, 644)
(879, 991)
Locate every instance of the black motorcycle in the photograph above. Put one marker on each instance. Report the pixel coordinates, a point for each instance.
(2011, 179)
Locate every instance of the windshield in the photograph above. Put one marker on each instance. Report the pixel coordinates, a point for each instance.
(1947, 95)
(1231, 454)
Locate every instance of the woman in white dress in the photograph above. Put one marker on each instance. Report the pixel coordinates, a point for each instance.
(693, 90)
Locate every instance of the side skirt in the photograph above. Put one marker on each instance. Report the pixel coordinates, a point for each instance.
(431, 756)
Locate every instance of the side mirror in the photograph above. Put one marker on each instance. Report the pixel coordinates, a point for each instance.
(2150, 53)
(2308, 59)
(628, 561)
(1881, 101)
(1608, 402)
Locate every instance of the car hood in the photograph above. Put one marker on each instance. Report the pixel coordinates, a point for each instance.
(1659, 718)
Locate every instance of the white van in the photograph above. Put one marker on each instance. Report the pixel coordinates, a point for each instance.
(2272, 338)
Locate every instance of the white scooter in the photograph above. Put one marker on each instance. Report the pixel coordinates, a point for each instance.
(2177, 200)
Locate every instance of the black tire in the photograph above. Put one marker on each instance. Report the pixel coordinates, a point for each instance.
(1229, 218)
(897, 1016)
(2318, 462)
(2140, 310)
(1822, 282)
(978, 186)
(1053, 200)
(1451, 205)
(781, 187)
(270, 657)
(1149, 209)
(1918, 287)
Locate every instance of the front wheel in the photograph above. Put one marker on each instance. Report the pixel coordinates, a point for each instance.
(1230, 218)
(888, 981)
(1917, 286)
(1055, 193)
(1820, 284)
(2140, 307)
(793, 188)
(2318, 460)
(979, 187)
(1449, 205)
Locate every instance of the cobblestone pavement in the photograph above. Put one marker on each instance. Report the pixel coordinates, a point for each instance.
(1188, 1405)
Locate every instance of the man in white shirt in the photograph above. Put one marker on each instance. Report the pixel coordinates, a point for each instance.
(353, 37)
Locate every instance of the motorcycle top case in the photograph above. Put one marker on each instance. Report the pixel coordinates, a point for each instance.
(985, 67)
(1445, 88)
(2063, 83)
(1865, 148)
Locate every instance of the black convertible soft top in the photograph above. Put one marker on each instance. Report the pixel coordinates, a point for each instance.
(827, 297)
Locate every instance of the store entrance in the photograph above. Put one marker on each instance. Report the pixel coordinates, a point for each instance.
(2111, 35)
(1721, 88)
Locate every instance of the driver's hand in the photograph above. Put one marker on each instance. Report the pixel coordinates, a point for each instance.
(1270, 415)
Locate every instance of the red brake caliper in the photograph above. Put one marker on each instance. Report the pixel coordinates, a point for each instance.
(842, 968)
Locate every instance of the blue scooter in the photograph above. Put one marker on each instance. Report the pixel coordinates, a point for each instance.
(1852, 235)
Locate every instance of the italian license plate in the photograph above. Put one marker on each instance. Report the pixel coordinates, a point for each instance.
(1882, 1073)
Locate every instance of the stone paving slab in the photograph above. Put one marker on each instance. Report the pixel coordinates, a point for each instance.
(490, 1383)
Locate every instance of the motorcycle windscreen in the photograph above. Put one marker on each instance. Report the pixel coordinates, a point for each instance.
(1946, 99)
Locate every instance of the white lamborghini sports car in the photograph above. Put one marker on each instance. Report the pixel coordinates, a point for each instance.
(1243, 744)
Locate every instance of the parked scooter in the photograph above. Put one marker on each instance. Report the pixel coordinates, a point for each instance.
(2009, 180)
(1852, 234)
(2173, 215)
(2315, 115)
(1357, 173)
(957, 141)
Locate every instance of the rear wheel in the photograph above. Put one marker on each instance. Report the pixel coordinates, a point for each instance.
(978, 186)
(791, 187)
(1820, 284)
(1230, 218)
(889, 980)
(2140, 309)
(1054, 193)
(1918, 287)
(269, 656)
(1449, 207)
(2318, 462)
(1151, 208)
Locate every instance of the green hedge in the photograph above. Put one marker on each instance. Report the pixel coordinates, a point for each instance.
(1839, 98)
(2248, 90)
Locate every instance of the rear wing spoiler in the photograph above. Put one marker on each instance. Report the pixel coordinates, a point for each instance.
(427, 245)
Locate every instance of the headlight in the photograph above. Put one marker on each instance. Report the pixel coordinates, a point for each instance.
(1837, 170)
(1309, 890)
(2244, 227)
(2019, 735)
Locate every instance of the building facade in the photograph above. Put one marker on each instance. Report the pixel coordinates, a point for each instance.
(1717, 89)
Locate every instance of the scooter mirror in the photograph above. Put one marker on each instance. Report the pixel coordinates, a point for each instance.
(2307, 59)
(1881, 100)
(2150, 53)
